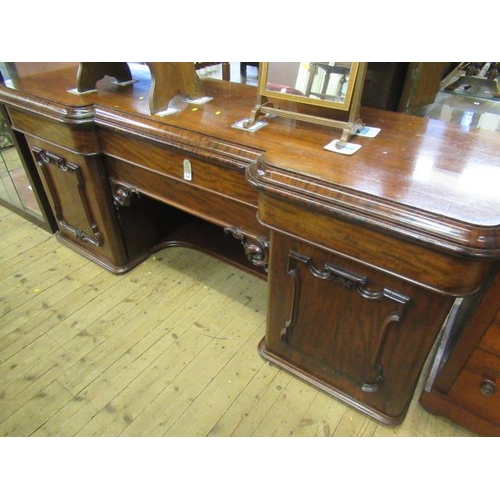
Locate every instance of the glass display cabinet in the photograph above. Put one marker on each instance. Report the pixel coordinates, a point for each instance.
(20, 188)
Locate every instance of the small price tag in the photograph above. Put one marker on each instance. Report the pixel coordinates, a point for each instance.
(241, 125)
(368, 132)
(344, 148)
(188, 172)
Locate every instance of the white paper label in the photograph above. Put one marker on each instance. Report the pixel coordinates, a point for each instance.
(344, 148)
(188, 173)
(368, 132)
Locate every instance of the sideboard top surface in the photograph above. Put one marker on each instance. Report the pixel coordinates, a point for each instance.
(415, 168)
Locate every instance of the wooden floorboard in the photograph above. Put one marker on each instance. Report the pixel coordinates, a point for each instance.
(168, 349)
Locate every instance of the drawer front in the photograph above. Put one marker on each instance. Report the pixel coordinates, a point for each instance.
(226, 181)
(491, 339)
(208, 205)
(477, 387)
(419, 264)
(80, 139)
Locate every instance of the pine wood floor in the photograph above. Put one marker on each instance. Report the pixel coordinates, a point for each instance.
(169, 349)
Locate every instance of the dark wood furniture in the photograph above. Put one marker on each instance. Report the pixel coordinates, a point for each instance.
(383, 85)
(365, 255)
(402, 86)
(422, 83)
(465, 387)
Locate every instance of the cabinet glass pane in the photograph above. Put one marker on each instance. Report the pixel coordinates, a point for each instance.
(15, 187)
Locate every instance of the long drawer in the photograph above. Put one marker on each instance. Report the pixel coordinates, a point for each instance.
(225, 211)
(227, 181)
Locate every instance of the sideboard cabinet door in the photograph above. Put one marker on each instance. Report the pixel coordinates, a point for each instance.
(359, 333)
(81, 200)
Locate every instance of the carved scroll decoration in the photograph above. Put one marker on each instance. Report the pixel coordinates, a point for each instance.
(45, 159)
(351, 282)
(256, 247)
(123, 196)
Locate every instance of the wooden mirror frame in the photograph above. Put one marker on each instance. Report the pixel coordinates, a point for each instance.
(347, 112)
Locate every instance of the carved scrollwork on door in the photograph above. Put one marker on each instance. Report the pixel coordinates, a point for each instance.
(46, 160)
(352, 283)
(256, 248)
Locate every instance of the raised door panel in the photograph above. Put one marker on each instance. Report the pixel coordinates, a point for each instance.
(66, 186)
(352, 344)
(81, 201)
(350, 328)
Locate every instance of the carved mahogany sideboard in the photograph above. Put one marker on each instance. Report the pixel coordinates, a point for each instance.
(365, 255)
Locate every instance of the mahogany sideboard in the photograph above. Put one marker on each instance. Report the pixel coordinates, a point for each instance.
(365, 255)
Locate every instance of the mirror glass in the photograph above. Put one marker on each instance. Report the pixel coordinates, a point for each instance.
(327, 84)
(15, 187)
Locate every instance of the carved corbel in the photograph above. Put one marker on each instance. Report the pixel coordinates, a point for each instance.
(123, 196)
(256, 247)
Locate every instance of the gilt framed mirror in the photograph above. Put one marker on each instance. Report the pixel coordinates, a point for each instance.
(325, 93)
